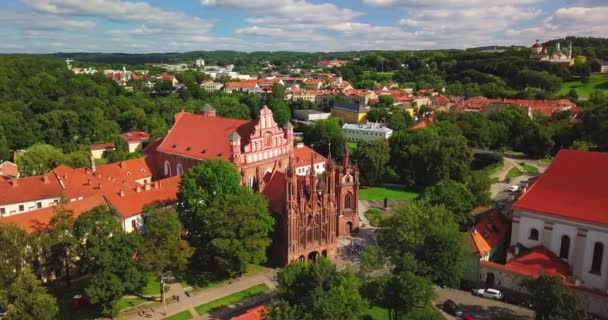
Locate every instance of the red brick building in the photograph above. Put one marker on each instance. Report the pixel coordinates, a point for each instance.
(312, 211)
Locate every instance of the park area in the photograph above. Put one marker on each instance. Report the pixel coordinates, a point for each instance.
(380, 193)
(597, 82)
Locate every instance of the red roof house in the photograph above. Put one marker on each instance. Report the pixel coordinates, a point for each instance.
(539, 260)
(8, 170)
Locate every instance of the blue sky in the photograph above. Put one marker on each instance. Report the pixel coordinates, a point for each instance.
(304, 25)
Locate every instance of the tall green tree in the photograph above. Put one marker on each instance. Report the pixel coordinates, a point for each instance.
(62, 245)
(317, 291)
(15, 253)
(40, 159)
(324, 132)
(552, 300)
(372, 158)
(27, 299)
(453, 195)
(162, 247)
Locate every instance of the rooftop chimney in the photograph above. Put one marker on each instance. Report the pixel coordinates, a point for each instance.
(122, 164)
(147, 186)
(138, 189)
(122, 193)
(45, 179)
(99, 185)
(14, 182)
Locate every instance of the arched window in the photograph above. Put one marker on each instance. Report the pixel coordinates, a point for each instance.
(348, 201)
(598, 255)
(179, 169)
(533, 234)
(564, 248)
(167, 169)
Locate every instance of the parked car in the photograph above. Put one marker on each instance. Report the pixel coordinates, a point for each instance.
(467, 317)
(80, 301)
(513, 188)
(452, 308)
(488, 293)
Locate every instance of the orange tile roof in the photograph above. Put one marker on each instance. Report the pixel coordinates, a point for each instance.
(302, 155)
(9, 169)
(539, 260)
(29, 189)
(488, 232)
(252, 314)
(133, 169)
(36, 220)
(84, 183)
(574, 186)
(101, 146)
(131, 201)
(201, 137)
(135, 136)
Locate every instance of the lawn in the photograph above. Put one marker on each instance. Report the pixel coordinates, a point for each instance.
(231, 299)
(514, 172)
(152, 286)
(129, 302)
(379, 193)
(597, 82)
(428, 312)
(375, 216)
(528, 168)
(352, 146)
(376, 313)
(205, 281)
(184, 315)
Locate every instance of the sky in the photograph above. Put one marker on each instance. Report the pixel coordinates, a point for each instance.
(143, 26)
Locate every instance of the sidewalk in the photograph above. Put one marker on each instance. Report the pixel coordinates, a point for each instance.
(189, 303)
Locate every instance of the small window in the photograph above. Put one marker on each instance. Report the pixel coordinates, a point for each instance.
(598, 256)
(39, 205)
(2, 211)
(533, 234)
(21, 208)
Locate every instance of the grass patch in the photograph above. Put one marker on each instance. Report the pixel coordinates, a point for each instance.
(231, 299)
(514, 172)
(184, 315)
(379, 193)
(203, 281)
(597, 82)
(376, 313)
(528, 168)
(352, 146)
(129, 302)
(102, 161)
(152, 286)
(375, 216)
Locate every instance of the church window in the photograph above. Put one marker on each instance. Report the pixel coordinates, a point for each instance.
(179, 169)
(348, 201)
(167, 169)
(533, 234)
(564, 249)
(598, 255)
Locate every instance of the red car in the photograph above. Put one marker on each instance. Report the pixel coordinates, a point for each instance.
(80, 301)
(468, 317)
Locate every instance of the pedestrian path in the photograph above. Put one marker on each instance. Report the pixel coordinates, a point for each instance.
(157, 312)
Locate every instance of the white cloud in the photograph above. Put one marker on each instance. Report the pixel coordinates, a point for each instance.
(447, 3)
(43, 22)
(587, 3)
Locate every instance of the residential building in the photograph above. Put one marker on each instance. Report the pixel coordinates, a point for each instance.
(485, 241)
(8, 170)
(98, 151)
(312, 212)
(18, 196)
(133, 170)
(559, 227)
(532, 107)
(332, 63)
(538, 52)
(366, 132)
(135, 140)
(305, 158)
(211, 86)
(310, 115)
(165, 76)
(349, 112)
(241, 86)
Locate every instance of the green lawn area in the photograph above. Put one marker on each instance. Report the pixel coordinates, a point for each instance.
(203, 282)
(376, 313)
(514, 172)
(379, 193)
(597, 81)
(102, 161)
(352, 146)
(375, 216)
(232, 299)
(184, 315)
(529, 168)
(152, 287)
(129, 302)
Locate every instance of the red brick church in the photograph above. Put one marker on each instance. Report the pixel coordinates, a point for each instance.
(314, 201)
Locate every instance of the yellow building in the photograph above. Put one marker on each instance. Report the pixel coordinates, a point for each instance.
(349, 112)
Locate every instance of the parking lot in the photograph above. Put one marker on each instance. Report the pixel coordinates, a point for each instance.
(481, 308)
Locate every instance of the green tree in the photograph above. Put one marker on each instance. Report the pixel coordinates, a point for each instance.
(317, 291)
(15, 252)
(324, 132)
(400, 120)
(62, 243)
(453, 195)
(552, 300)
(372, 158)
(40, 159)
(479, 184)
(280, 110)
(105, 289)
(27, 299)
(163, 247)
(406, 291)
(228, 225)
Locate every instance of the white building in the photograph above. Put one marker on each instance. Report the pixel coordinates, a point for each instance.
(366, 132)
(211, 86)
(311, 115)
(304, 156)
(199, 63)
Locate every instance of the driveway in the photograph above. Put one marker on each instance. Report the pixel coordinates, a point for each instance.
(481, 308)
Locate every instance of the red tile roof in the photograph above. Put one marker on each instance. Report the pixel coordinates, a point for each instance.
(101, 146)
(131, 201)
(9, 169)
(302, 155)
(135, 136)
(133, 169)
(275, 192)
(39, 219)
(252, 314)
(423, 124)
(488, 232)
(539, 260)
(201, 137)
(166, 76)
(574, 186)
(545, 107)
(29, 189)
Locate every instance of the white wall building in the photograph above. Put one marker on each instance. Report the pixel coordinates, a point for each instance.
(366, 132)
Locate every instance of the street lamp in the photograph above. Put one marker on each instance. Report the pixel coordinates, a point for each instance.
(162, 290)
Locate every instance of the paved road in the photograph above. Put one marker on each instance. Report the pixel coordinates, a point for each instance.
(481, 308)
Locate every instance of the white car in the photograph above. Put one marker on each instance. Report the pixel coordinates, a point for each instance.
(513, 188)
(488, 293)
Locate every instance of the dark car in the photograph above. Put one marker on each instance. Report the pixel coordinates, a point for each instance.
(452, 308)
